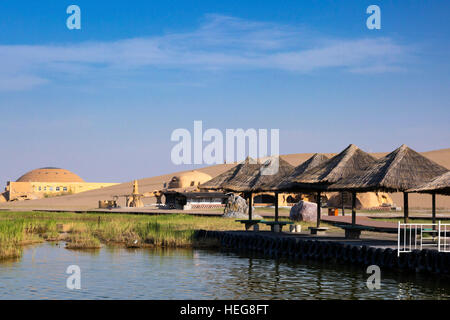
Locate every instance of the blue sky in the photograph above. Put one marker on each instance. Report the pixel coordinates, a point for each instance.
(102, 101)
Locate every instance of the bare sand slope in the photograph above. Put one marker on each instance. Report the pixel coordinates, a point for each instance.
(89, 199)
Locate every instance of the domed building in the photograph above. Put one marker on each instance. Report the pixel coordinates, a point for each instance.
(47, 182)
(188, 179)
(50, 174)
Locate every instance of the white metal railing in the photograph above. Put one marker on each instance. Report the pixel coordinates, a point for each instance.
(412, 236)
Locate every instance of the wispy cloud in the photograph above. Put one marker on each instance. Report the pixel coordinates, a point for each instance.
(220, 42)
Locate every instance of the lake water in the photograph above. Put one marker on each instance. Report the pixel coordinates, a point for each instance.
(118, 273)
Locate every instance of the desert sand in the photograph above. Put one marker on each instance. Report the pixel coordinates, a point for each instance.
(89, 199)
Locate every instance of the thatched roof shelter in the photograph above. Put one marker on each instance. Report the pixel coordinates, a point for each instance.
(241, 173)
(250, 176)
(268, 176)
(312, 162)
(351, 161)
(400, 170)
(439, 185)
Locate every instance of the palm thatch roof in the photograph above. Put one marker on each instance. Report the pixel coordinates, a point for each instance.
(400, 170)
(439, 185)
(250, 176)
(312, 162)
(351, 161)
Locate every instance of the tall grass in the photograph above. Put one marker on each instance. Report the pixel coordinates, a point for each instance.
(89, 230)
(167, 234)
(11, 231)
(11, 235)
(82, 241)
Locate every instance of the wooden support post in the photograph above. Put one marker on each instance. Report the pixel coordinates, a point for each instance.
(343, 204)
(405, 207)
(353, 208)
(433, 209)
(250, 206)
(318, 209)
(276, 206)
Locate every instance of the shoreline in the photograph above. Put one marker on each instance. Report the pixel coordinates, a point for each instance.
(92, 230)
(327, 249)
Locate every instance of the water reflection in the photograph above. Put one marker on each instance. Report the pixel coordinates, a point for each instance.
(118, 273)
(315, 280)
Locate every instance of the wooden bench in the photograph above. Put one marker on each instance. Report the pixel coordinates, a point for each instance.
(249, 223)
(318, 230)
(354, 232)
(272, 224)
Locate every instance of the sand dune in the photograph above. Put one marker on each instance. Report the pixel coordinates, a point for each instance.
(89, 199)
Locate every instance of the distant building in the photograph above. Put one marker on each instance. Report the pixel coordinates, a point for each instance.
(182, 192)
(364, 200)
(194, 200)
(187, 179)
(47, 182)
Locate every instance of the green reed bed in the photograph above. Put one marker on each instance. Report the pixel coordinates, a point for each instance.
(14, 234)
(11, 234)
(90, 230)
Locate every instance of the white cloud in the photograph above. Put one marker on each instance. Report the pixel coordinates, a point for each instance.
(221, 42)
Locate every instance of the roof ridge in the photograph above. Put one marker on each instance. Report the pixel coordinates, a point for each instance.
(402, 151)
(348, 153)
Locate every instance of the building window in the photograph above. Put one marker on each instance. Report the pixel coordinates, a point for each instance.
(40, 188)
(51, 188)
(57, 188)
(65, 189)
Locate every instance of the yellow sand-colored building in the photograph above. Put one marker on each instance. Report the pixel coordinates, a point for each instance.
(47, 182)
(188, 179)
(364, 200)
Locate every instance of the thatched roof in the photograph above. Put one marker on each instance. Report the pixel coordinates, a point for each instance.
(439, 185)
(351, 161)
(249, 176)
(243, 169)
(312, 162)
(400, 170)
(264, 180)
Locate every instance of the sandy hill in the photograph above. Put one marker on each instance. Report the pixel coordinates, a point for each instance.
(89, 199)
